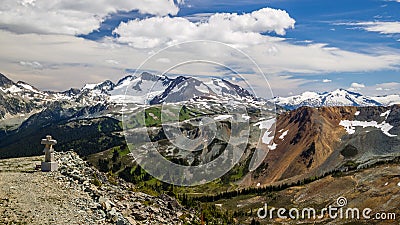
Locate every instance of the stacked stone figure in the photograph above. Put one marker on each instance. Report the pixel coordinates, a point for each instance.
(49, 163)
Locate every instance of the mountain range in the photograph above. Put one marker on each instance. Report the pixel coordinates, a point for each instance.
(309, 139)
(20, 98)
(339, 97)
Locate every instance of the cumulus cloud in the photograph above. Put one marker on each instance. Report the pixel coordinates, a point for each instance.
(380, 27)
(356, 87)
(75, 61)
(71, 17)
(225, 27)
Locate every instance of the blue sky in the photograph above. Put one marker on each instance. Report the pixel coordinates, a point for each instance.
(323, 17)
(333, 44)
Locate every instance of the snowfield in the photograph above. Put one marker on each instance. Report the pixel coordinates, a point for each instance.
(350, 126)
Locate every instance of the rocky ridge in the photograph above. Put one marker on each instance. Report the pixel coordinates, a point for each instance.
(78, 194)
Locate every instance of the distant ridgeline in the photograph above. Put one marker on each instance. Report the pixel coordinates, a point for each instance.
(309, 141)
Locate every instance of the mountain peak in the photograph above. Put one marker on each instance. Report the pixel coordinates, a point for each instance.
(338, 97)
(151, 77)
(108, 85)
(27, 86)
(4, 81)
(344, 91)
(125, 80)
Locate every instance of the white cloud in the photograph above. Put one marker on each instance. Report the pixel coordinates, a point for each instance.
(318, 58)
(326, 81)
(357, 86)
(380, 89)
(67, 61)
(112, 61)
(391, 86)
(34, 64)
(380, 27)
(71, 17)
(229, 28)
(248, 32)
(71, 61)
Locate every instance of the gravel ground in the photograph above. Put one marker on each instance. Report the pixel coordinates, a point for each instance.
(28, 196)
(31, 197)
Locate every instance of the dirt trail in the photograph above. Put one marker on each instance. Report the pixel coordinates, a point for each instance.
(29, 197)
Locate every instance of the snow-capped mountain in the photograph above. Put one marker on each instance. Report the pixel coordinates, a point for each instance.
(339, 97)
(152, 89)
(20, 98)
(387, 99)
(140, 89)
(186, 88)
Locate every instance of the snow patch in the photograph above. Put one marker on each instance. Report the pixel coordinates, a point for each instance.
(12, 89)
(283, 135)
(387, 100)
(180, 88)
(245, 117)
(202, 88)
(127, 99)
(272, 146)
(126, 82)
(28, 87)
(267, 138)
(222, 84)
(222, 117)
(357, 113)
(89, 86)
(386, 114)
(266, 124)
(217, 86)
(350, 126)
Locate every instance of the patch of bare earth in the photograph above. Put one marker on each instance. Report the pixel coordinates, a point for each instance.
(376, 188)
